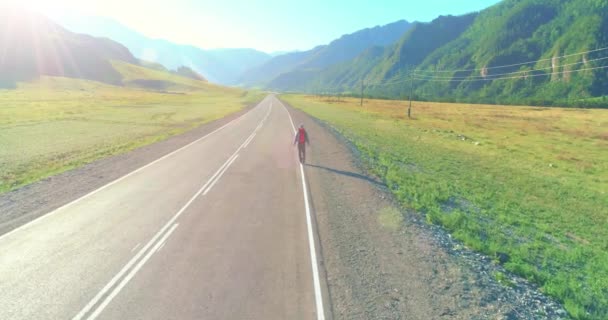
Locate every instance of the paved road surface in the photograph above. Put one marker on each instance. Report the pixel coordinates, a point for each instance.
(216, 230)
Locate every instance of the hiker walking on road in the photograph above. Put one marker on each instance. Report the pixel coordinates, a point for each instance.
(301, 139)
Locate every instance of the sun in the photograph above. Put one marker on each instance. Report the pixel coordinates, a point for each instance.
(31, 5)
(41, 6)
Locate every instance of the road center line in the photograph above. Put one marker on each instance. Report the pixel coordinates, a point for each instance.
(311, 239)
(249, 140)
(220, 175)
(258, 127)
(44, 216)
(128, 278)
(133, 260)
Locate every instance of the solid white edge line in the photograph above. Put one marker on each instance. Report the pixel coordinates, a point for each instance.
(117, 277)
(220, 175)
(40, 218)
(311, 240)
(128, 278)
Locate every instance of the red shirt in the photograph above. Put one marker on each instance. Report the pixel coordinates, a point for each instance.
(302, 136)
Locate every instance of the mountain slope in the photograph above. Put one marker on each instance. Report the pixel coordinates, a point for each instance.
(36, 46)
(260, 76)
(221, 65)
(343, 49)
(379, 63)
(189, 73)
(475, 47)
(513, 32)
(337, 78)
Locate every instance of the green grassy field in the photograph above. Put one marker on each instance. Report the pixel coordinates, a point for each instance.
(528, 182)
(55, 124)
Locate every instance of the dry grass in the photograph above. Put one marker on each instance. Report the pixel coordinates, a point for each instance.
(55, 124)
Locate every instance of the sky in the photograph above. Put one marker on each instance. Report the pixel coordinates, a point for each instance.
(266, 25)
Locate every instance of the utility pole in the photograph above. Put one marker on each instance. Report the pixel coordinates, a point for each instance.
(362, 92)
(409, 109)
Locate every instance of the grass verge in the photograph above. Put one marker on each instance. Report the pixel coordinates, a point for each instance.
(528, 184)
(55, 124)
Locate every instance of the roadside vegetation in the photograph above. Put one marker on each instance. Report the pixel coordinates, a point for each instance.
(526, 185)
(54, 124)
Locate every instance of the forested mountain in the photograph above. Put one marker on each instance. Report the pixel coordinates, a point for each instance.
(309, 62)
(462, 58)
(379, 63)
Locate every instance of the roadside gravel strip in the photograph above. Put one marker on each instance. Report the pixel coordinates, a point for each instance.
(23, 205)
(383, 263)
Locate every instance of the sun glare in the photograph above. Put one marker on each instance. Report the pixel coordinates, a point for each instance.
(42, 6)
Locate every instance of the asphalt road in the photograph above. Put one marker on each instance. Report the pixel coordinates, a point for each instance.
(219, 229)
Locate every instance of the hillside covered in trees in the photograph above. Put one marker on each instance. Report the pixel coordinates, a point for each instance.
(542, 52)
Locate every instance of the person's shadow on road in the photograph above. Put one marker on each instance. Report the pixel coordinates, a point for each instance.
(348, 174)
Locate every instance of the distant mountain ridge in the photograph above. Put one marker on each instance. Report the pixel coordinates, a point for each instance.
(222, 66)
(379, 63)
(37, 46)
(189, 73)
(467, 49)
(340, 50)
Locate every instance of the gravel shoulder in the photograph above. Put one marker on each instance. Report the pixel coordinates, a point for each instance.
(25, 204)
(382, 262)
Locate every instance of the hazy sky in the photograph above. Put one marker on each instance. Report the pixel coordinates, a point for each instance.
(268, 25)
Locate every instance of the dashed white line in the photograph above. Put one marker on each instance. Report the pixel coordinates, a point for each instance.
(128, 278)
(311, 239)
(135, 248)
(154, 243)
(258, 127)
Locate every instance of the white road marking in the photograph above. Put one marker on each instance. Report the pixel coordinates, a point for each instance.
(221, 170)
(133, 260)
(221, 174)
(37, 220)
(249, 140)
(135, 248)
(258, 127)
(161, 246)
(128, 278)
(311, 240)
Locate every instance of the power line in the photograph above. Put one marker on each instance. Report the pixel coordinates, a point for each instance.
(506, 78)
(440, 79)
(524, 72)
(511, 65)
(415, 75)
